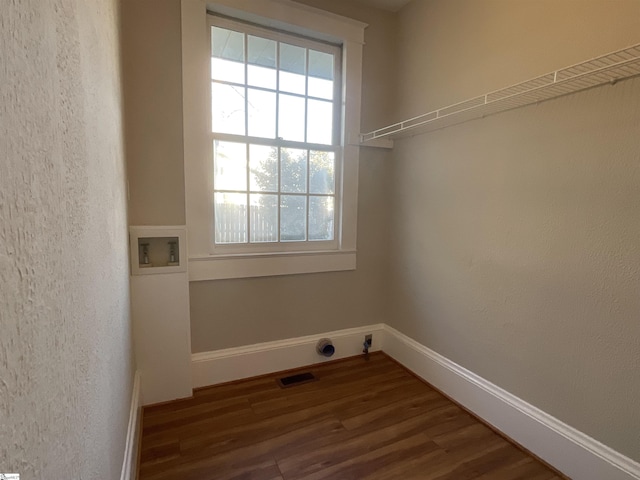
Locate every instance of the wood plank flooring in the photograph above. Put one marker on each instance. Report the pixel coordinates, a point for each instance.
(360, 420)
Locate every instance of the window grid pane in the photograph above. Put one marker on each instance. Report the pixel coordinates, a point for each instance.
(262, 109)
(264, 218)
(263, 165)
(300, 208)
(321, 172)
(227, 108)
(293, 170)
(231, 217)
(280, 91)
(321, 218)
(293, 212)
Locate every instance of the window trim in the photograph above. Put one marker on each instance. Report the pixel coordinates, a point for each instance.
(296, 18)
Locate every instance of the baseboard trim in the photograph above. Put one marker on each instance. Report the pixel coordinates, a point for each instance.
(221, 366)
(570, 451)
(566, 449)
(129, 464)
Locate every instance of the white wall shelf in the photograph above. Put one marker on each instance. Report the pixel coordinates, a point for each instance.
(606, 69)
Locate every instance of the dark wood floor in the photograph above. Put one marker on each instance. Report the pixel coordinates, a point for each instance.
(359, 420)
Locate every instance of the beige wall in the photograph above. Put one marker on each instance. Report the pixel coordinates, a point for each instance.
(240, 312)
(65, 345)
(152, 57)
(515, 238)
(457, 49)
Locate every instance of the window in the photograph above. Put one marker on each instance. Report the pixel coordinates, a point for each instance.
(271, 167)
(275, 127)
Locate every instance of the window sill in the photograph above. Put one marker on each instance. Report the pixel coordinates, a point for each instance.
(222, 267)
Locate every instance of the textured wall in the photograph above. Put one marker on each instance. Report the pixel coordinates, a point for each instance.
(65, 347)
(515, 238)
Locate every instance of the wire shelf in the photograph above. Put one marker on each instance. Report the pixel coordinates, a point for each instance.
(609, 68)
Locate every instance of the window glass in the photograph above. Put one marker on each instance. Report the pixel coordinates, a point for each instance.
(320, 74)
(293, 170)
(273, 104)
(263, 165)
(262, 62)
(262, 113)
(230, 166)
(227, 108)
(231, 217)
(227, 52)
(293, 212)
(291, 117)
(321, 172)
(321, 217)
(293, 68)
(319, 122)
(264, 218)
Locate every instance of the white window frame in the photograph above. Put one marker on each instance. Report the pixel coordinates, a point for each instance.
(289, 16)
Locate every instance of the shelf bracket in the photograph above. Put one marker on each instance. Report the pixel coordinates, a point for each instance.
(358, 141)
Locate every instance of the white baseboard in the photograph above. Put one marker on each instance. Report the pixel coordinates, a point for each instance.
(129, 464)
(570, 451)
(573, 453)
(211, 368)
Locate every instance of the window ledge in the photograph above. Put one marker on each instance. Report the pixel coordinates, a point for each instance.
(220, 267)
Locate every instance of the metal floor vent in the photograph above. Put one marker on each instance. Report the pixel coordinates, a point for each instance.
(299, 379)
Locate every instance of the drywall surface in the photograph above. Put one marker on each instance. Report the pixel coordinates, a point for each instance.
(451, 51)
(515, 246)
(231, 313)
(65, 349)
(153, 111)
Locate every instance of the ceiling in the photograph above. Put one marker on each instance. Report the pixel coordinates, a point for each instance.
(391, 5)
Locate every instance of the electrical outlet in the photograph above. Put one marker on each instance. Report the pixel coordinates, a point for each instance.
(368, 339)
